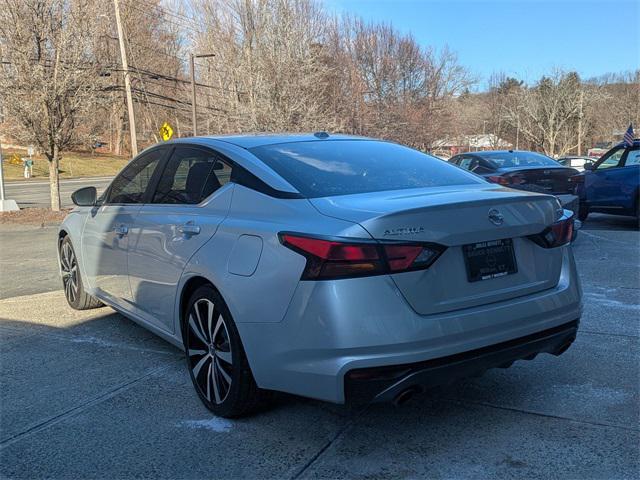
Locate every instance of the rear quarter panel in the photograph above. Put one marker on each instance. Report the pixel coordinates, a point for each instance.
(262, 294)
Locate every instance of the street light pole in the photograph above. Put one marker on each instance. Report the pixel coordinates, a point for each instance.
(194, 118)
(127, 82)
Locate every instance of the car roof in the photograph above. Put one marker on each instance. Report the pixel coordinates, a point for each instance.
(492, 152)
(250, 140)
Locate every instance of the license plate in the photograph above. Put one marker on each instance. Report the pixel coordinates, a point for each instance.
(487, 260)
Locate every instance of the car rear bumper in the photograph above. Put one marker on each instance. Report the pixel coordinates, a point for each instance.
(335, 327)
(381, 384)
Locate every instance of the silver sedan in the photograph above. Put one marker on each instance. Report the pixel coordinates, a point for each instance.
(340, 268)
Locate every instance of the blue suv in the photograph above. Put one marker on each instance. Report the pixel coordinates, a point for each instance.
(611, 184)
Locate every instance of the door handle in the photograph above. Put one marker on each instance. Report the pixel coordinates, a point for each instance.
(189, 229)
(121, 230)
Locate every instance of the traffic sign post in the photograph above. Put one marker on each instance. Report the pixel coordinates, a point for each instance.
(5, 205)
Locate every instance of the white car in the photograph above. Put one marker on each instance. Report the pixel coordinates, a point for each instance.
(576, 162)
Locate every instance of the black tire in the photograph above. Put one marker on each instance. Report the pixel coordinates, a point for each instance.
(583, 212)
(74, 292)
(227, 388)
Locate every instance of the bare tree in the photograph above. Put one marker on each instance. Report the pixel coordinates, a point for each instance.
(49, 76)
(279, 65)
(549, 114)
(616, 106)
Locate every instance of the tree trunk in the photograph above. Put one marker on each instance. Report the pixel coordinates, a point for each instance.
(54, 180)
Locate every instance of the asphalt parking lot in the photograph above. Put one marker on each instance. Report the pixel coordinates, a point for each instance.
(92, 395)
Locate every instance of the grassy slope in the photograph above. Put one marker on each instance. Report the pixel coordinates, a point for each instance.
(73, 164)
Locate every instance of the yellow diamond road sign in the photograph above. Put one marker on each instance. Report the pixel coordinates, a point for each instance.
(166, 132)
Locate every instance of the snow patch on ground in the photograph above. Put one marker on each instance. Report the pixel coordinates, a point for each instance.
(604, 300)
(214, 424)
(94, 340)
(589, 391)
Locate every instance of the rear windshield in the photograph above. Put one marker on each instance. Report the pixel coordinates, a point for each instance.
(519, 159)
(343, 167)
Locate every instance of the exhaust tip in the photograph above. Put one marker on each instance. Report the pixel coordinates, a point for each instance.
(563, 348)
(405, 395)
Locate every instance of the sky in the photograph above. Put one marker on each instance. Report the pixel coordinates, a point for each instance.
(525, 39)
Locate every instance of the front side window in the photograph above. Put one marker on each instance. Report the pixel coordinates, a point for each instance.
(343, 167)
(191, 175)
(611, 160)
(131, 185)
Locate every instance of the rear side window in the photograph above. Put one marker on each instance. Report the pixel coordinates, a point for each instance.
(519, 159)
(191, 175)
(343, 167)
(468, 163)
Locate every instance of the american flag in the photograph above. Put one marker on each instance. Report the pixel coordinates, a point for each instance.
(628, 136)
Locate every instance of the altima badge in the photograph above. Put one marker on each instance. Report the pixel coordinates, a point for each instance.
(404, 231)
(496, 217)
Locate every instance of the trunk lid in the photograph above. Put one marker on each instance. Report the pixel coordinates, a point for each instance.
(551, 180)
(455, 217)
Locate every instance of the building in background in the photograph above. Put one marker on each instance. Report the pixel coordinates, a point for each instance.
(447, 147)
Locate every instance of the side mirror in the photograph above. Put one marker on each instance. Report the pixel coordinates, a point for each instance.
(85, 197)
(588, 165)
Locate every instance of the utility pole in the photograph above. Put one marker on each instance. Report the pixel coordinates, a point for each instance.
(194, 119)
(580, 123)
(127, 82)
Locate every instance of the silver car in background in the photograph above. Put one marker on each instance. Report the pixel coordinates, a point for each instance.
(340, 268)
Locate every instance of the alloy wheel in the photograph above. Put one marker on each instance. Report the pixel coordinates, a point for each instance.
(69, 268)
(209, 351)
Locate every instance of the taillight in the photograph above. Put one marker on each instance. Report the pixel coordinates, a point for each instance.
(558, 234)
(344, 258)
(499, 180)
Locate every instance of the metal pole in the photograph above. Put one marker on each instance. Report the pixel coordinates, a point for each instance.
(192, 57)
(1, 177)
(194, 120)
(580, 123)
(127, 81)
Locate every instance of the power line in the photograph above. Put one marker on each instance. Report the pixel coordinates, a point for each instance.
(163, 76)
(201, 93)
